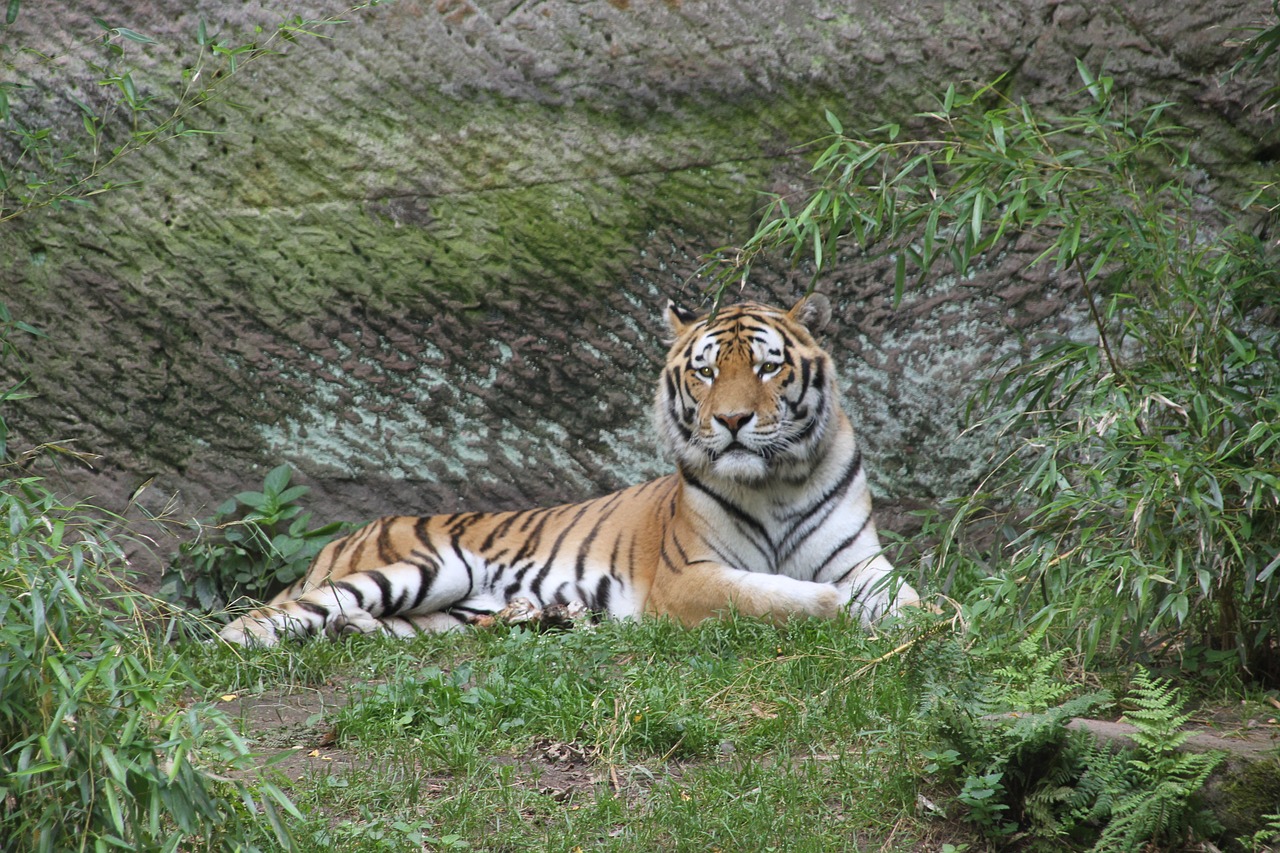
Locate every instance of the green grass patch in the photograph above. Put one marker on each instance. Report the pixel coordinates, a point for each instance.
(627, 735)
(733, 735)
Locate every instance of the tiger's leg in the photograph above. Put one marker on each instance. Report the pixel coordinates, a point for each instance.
(398, 599)
(396, 626)
(705, 589)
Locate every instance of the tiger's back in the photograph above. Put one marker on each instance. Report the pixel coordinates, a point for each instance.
(768, 513)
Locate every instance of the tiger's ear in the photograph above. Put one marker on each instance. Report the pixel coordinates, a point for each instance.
(678, 319)
(813, 312)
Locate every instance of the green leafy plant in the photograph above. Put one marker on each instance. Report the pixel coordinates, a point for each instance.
(1261, 50)
(256, 543)
(1019, 772)
(1266, 838)
(374, 833)
(1160, 805)
(95, 749)
(1001, 716)
(1143, 460)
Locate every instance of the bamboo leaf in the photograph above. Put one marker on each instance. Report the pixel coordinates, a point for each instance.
(975, 225)
(899, 278)
(133, 35)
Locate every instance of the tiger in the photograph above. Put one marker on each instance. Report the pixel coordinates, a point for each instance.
(767, 514)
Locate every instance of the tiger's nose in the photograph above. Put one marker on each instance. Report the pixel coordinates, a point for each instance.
(735, 421)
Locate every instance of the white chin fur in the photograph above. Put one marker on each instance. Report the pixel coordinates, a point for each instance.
(745, 467)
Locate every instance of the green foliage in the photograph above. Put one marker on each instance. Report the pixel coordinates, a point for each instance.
(96, 750)
(374, 833)
(131, 107)
(256, 544)
(99, 746)
(1159, 807)
(1136, 496)
(1020, 772)
(1265, 839)
(1001, 717)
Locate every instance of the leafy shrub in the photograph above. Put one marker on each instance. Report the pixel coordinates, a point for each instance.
(1020, 772)
(1143, 461)
(96, 750)
(1159, 806)
(256, 543)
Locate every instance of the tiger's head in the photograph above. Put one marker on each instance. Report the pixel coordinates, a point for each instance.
(747, 394)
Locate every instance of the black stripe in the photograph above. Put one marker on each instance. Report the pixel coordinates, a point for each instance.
(631, 560)
(606, 512)
(459, 552)
(669, 379)
(471, 611)
(384, 586)
(820, 375)
(731, 559)
(684, 555)
(737, 512)
(750, 529)
(845, 544)
(613, 554)
(666, 558)
(351, 588)
(788, 545)
(314, 609)
(500, 530)
(358, 541)
(534, 537)
(386, 552)
(603, 590)
(427, 574)
(536, 586)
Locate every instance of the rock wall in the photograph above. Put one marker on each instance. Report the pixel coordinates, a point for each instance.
(424, 259)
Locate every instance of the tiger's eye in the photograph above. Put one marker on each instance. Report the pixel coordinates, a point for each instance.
(706, 371)
(771, 367)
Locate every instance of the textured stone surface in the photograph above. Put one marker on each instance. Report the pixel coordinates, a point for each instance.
(425, 259)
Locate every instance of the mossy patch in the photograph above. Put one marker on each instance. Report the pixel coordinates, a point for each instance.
(1247, 796)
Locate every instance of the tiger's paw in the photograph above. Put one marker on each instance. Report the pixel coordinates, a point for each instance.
(350, 623)
(522, 611)
(517, 612)
(249, 632)
(563, 615)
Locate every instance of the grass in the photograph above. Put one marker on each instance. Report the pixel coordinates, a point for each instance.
(645, 735)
